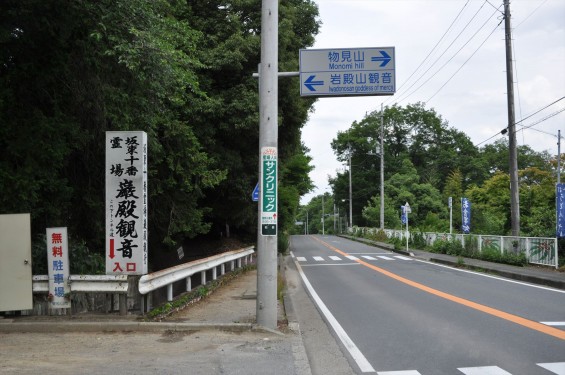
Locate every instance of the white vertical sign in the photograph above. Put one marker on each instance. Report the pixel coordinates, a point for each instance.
(58, 268)
(126, 203)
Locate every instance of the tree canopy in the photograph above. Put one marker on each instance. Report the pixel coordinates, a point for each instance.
(426, 162)
(180, 71)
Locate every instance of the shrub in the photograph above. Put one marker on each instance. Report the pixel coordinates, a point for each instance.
(418, 240)
(449, 247)
(82, 260)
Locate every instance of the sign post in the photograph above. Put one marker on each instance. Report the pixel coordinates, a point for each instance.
(407, 210)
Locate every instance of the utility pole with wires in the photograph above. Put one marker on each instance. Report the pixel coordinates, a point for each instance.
(382, 213)
(513, 153)
(350, 194)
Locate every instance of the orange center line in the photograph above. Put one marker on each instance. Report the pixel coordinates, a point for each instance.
(462, 301)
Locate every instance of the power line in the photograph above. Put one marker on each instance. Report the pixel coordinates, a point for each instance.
(437, 44)
(440, 56)
(529, 15)
(542, 120)
(466, 61)
(450, 59)
(527, 117)
(539, 110)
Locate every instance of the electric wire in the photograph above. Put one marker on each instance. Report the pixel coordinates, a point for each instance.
(527, 117)
(448, 61)
(461, 67)
(436, 45)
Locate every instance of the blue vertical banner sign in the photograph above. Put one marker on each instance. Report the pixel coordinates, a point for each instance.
(560, 207)
(465, 215)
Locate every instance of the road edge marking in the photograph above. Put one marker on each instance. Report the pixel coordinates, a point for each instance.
(548, 330)
(353, 350)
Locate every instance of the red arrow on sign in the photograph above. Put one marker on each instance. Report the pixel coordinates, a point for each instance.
(112, 248)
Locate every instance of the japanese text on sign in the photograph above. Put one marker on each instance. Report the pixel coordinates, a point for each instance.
(344, 72)
(58, 267)
(465, 215)
(126, 203)
(268, 191)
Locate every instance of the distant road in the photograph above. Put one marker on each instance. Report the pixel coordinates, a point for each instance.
(396, 315)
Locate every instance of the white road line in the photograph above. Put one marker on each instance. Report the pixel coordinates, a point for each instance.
(485, 370)
(368, 257)
(353, 350)
(385, 257)
(402, 257)
(408, 372)
(351, 257)
(554, 324)
(556, 367)
(301, 259)
(491, 277)
(333, 257)
(318, 259)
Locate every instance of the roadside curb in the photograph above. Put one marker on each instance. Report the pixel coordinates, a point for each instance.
(493, 268)
(89, 326)
(504, 273)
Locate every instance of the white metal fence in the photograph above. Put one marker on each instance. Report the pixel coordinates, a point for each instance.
(538, 250)
(165, 278)
(119, 285)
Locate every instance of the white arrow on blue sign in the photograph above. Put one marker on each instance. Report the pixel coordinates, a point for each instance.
(347, 71)
(255, 194)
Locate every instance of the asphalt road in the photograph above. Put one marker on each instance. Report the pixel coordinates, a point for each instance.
(396, 315)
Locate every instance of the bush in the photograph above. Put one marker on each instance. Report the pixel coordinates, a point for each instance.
(397, 242)
(379, 236)
(82, 260)
(418, 240)
(449, 247)
(283, 241)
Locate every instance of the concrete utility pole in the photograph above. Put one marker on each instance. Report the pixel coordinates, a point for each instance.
(382, 170)
(558, 156)
(323, 219)
(350, 194)
(513, 158)
(268, 138)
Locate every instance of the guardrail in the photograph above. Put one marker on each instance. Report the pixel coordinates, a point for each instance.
(114, 284)
(165, 278)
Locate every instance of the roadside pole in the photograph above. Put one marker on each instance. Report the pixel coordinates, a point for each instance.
(268, 153)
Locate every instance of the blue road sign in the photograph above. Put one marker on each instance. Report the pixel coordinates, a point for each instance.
(310, 83)
(255, 194)
(347, 71)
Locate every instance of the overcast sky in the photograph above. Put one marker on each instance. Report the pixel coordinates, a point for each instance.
(472, 100)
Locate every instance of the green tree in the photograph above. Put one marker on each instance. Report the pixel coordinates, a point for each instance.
(227, 121)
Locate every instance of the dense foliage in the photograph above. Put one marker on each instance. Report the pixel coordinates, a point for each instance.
(180, 71)
(426, 162)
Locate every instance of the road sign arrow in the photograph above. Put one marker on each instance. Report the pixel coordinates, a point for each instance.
(310, 83)
(384, 58)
